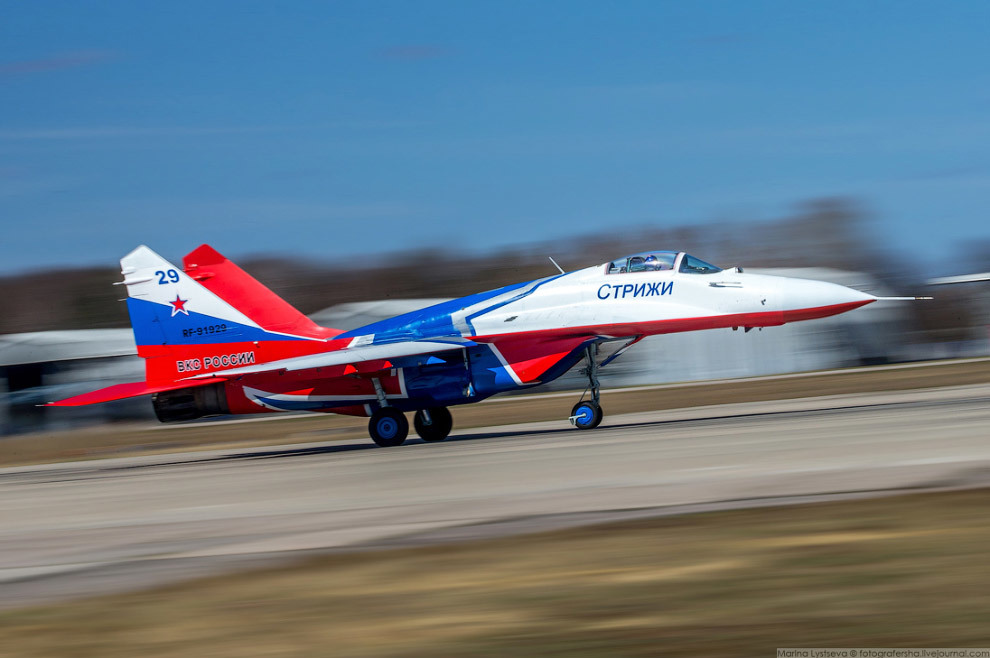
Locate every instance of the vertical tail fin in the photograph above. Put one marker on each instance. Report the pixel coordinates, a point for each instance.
(182, 327)
(228, 281)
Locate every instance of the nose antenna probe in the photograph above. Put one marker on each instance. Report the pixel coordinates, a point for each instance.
(901, 299)
(556, 265)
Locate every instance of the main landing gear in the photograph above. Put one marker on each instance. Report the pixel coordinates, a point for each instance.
(588, 414)
(388, 426)
(433, 424)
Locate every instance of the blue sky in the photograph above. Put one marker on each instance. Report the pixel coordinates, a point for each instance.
(336, 129)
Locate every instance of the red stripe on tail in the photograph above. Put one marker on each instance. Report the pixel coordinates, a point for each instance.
(248, 295)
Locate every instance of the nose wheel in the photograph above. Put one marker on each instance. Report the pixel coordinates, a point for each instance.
(588, 414)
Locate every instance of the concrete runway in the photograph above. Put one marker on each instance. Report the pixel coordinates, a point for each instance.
(81, 528)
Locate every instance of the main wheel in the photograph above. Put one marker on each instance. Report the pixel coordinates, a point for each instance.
(388, 427)
(586, 415)
(439, 426)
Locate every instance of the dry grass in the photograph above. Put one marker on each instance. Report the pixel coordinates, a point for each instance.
(904, 571)
(123, 440)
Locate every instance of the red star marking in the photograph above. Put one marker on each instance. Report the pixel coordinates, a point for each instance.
(179, 306)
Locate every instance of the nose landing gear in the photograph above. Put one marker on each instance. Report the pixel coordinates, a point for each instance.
(588, 414)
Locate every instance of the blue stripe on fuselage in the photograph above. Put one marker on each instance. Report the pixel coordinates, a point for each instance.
(430, 322)
(154, 324)
(437, 320)
(525, 293)
(303, 405)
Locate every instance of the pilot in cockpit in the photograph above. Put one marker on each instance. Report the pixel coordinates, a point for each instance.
(652, 263)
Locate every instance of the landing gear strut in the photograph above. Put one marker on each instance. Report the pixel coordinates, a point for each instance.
(588, 414)
(433, 424)
(388, 426)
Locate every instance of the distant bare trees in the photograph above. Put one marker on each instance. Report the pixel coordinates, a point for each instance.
(62, 299)
(832, 233)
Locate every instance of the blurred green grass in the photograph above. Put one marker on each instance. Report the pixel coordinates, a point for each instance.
(902, 571)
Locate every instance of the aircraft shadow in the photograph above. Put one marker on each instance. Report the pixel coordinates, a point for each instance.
(366, 444)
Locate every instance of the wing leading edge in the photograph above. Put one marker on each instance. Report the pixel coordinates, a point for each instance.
(348, 356)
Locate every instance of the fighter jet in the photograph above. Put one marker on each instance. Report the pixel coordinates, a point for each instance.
(216, 341)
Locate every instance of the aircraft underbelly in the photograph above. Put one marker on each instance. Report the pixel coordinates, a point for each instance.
(415, 386)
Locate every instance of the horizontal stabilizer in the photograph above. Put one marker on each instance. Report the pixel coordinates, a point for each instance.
(121, 392)
(348, 356)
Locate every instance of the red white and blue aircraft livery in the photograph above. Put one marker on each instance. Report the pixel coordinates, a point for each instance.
(216, 341)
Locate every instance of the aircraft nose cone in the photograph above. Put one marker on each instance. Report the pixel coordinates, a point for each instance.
(804, 299)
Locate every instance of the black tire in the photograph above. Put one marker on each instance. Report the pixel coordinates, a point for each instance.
(439, 427)
(587, 415)
(388, 427)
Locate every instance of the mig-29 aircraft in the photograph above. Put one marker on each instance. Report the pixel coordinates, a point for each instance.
(216, 341)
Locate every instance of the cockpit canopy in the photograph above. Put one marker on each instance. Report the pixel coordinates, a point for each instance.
(653, 261)
(692, 265)
(648, 261)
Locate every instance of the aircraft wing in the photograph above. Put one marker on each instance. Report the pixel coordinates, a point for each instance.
(529, 359)
(348, 356)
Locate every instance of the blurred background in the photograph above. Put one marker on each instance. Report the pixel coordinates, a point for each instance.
(364, 160)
